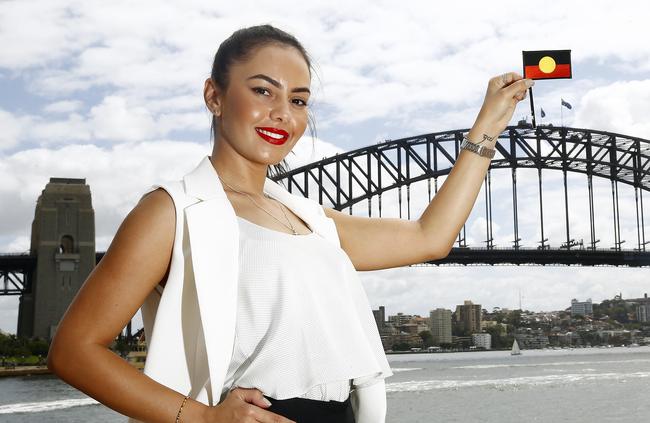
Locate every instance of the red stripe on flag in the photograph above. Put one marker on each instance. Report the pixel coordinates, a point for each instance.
(561, 71)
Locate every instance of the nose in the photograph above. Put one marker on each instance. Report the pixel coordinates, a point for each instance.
(281, 111)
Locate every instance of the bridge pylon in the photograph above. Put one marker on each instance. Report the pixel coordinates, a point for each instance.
(63, 241)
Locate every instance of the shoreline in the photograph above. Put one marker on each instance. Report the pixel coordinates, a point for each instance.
(24, 371)
(599, 347)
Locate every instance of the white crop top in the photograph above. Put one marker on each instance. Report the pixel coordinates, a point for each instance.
(304, 326)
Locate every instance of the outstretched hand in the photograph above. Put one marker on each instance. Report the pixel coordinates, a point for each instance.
(502, 95)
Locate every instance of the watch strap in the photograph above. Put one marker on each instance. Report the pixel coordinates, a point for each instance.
(476, 148)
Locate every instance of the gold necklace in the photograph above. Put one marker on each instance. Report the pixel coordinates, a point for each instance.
(290, 226)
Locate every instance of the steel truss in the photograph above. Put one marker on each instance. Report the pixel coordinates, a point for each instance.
(350, 178)
(15, 272)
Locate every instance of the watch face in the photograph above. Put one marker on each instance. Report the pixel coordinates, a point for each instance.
(478, 149)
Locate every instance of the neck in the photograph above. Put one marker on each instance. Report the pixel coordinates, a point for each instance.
(246, 178)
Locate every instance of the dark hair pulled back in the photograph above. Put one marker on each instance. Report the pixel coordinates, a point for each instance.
(239, 47)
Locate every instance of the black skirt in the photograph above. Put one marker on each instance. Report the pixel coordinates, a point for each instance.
(305, 410)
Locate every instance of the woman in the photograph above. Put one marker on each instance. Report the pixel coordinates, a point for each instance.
(234, 274)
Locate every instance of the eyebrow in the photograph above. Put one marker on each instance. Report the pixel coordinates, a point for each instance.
(278, 85)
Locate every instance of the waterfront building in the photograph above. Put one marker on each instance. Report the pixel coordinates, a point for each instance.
(536, 339)
(440, 319)
(482, 340)
(461, 342)
(468, 317)
(380, 317)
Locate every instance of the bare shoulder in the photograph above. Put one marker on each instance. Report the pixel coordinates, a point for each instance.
(147, 233)
(152, 219)
(156, 204)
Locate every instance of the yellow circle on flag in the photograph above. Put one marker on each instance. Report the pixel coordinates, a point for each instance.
(547, 64)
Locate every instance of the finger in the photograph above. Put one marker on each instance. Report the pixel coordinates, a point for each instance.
(266, 416)
(252, 396)
(508, 78)
(518, 87)
(261, 400)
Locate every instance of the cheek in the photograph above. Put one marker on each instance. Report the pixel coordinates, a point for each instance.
(247, 109)
(302, 120)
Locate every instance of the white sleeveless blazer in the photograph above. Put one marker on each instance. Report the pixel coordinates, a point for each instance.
(189, 326)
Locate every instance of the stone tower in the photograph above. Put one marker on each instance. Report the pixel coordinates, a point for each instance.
(63, 241)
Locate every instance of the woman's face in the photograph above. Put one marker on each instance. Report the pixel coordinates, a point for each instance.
(263, 111)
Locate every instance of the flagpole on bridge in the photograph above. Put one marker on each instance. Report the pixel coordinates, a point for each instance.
(532, 105)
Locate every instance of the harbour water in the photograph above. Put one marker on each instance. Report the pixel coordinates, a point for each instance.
(578, 385)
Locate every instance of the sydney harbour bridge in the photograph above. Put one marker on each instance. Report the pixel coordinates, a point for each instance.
(372, 179)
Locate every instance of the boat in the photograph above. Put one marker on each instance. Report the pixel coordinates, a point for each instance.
(515, 349)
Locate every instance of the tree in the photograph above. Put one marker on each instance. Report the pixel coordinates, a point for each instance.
(427, 338)
(514, 319)
(402, 346)
(498, 341)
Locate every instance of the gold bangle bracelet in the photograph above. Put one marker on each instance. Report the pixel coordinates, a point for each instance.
(178, 416)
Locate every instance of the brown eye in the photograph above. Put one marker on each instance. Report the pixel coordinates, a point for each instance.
(260, 90)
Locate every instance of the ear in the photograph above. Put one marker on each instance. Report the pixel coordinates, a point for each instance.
(211, 95)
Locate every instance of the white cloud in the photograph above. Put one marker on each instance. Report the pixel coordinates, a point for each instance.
(412, 66)
(73, 128)
(13, 128)
(113, 119)
(308, 150)
(64, 106)
(622, 107)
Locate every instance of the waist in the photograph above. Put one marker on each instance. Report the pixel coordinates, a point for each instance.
(313, 411)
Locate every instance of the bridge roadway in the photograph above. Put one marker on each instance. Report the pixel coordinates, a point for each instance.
(13, 266)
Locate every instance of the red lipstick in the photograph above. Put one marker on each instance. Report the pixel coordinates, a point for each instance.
(272, 135)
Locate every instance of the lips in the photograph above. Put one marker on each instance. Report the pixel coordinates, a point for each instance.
(273, 135)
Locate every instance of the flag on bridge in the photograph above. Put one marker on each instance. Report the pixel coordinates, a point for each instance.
(566, 104)
(547, 64)
(543, 114)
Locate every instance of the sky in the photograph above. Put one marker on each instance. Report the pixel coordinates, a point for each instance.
(112, 92)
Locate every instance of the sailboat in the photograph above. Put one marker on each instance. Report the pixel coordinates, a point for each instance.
(515, 349)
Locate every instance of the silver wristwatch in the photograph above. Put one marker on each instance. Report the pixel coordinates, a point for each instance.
(478, 149)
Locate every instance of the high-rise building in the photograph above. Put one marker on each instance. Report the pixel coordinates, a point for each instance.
(581, 308)
(380, 317)
(643, 310)
(440, 326)
(468, 317)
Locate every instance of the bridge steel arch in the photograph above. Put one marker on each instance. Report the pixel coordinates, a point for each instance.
(350, 178)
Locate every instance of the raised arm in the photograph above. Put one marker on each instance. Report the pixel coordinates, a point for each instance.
(381, 243)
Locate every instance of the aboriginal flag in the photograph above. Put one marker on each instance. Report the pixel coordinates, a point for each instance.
(547, 64)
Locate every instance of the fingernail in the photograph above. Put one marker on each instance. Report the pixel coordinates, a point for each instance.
(267, 402)
(530, 82)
